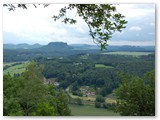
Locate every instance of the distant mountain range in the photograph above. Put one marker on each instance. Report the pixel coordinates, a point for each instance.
(21, 46)
(25, 52)
(61, 46)
(55, 46)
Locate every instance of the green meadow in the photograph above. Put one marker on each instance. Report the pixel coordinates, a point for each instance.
(15, 69)
(90, 110)
(102, 66)
(136, 54)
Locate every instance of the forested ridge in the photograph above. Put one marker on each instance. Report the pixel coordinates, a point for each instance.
(24, 52)
(46, 85)
(80, 70)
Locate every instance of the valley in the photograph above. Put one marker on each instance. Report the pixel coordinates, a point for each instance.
(79, 59)
(86, 76)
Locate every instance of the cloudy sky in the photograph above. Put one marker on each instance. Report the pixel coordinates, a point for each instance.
(36, 26)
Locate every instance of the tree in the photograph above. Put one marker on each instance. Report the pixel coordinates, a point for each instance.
(136, 96)
(11, 105)
(97, 104)
(79, 101)
(102, 19)
(62, 104)
(100, 99)
(110, 106)
(45, 109)
(34, 91)
(26, 95)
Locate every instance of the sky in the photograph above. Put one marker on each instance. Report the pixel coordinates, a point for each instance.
(36, 25)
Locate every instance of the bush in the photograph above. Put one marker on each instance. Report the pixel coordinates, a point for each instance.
(97, 104)
(100, 99)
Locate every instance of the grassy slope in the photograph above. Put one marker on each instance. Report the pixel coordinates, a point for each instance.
(102, 66)
(16, 69)
(8, 63)
(85, 110)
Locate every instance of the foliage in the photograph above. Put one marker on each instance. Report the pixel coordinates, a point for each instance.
(136, 96)
(78, 101)
(110, 106)
(100, 99)
(62, 104)
(26, 95)
(102, 20)
(73, 72)
(33, 90)
(12, 7)
(11, 105)
(97, 104)
(68, 73)
(45, 109)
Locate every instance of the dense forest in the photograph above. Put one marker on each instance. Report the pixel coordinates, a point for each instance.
(80, 70)
(52, 81)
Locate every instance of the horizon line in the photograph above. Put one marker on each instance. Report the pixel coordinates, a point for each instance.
(74, 44)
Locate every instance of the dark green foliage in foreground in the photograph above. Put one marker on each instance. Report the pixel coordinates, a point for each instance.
(11, 105)
(45, 109)
(136, 96)
(26, 95)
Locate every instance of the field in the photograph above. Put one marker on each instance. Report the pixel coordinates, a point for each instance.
(136, 54)
(14, 69)
(8, 63)
(88, 110)
(107, 100)
(102, 66)
(90, 99)
(83, 98)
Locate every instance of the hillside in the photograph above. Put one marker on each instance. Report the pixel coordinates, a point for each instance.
(55, 46)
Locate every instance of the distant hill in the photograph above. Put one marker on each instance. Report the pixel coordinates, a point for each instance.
(55, 46)
(24, 52)
(61, 46)
(21, 46)
(83, 46)
(115, 48)
(132, 48)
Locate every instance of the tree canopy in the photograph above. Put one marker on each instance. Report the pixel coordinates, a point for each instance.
(27, 95)
(136, 96)
(102, 19)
